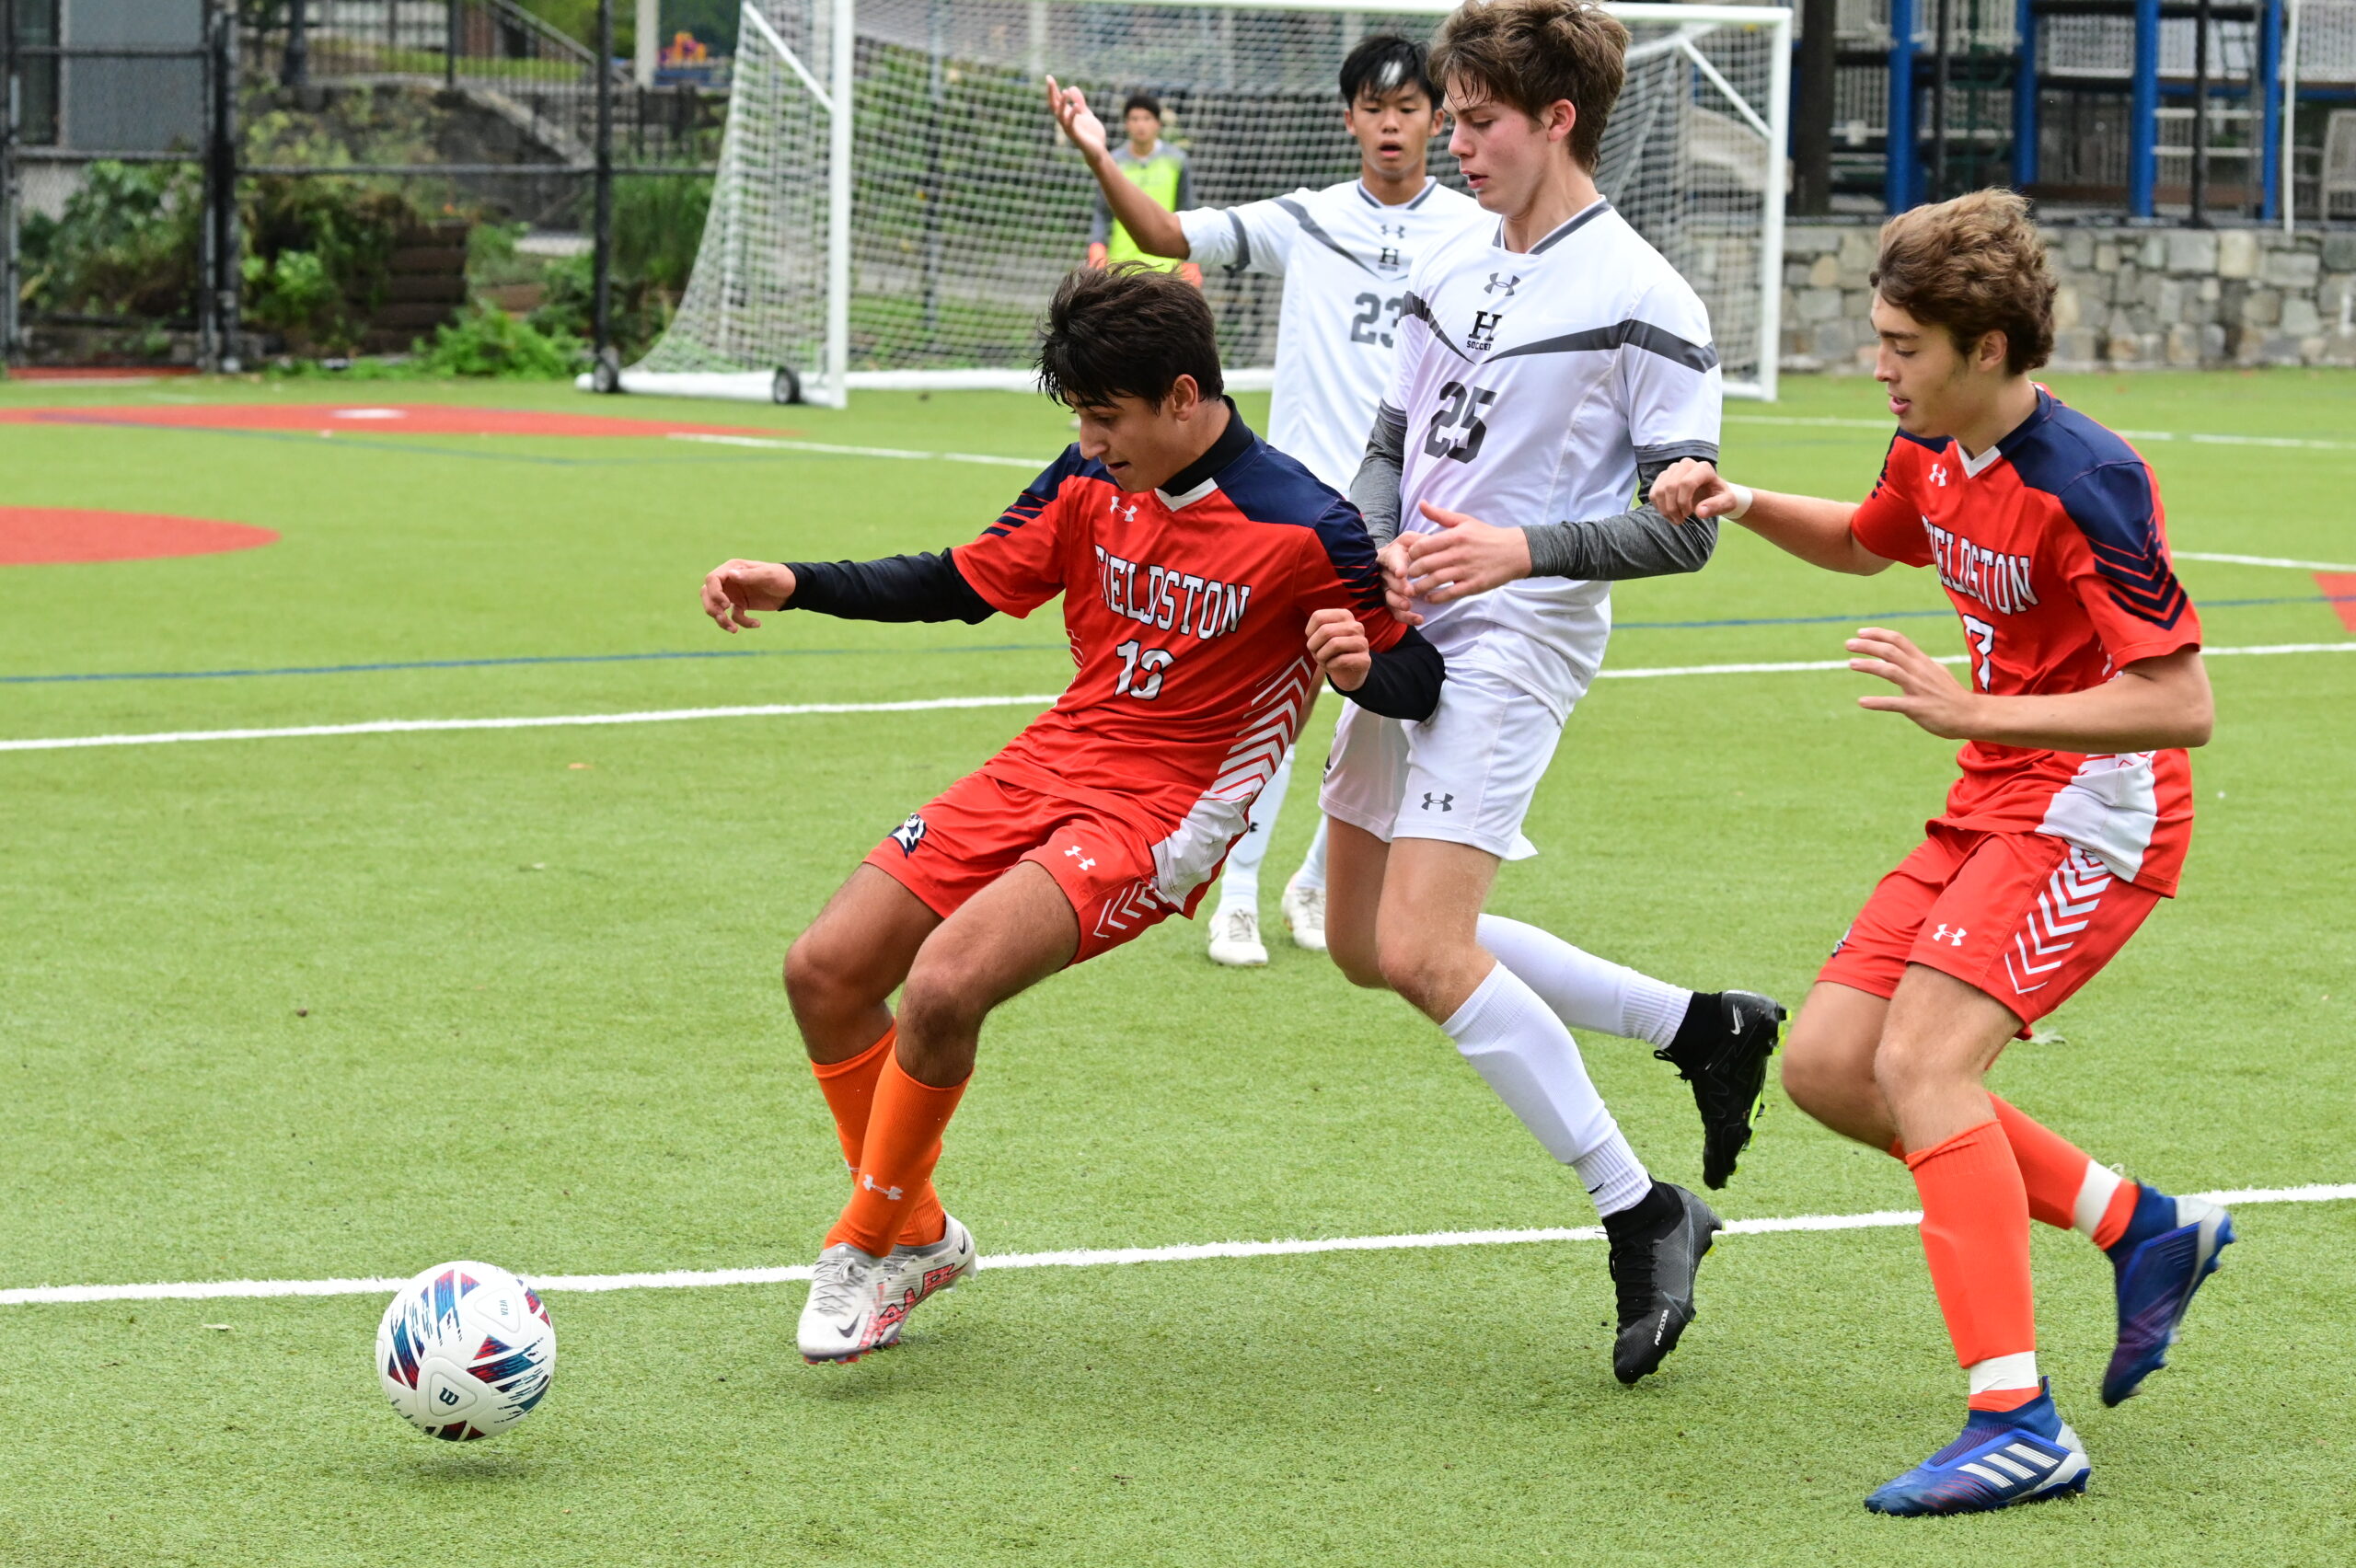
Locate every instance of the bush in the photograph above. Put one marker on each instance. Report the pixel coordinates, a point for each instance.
(319, 254)
(126, 245)
(487, 341)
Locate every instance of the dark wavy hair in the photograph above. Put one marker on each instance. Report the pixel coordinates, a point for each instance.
(1126, 330)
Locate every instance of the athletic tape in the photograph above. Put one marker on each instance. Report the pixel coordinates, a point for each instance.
(921, 705)
(1080, 1258)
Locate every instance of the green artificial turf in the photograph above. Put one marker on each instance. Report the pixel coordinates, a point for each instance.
(338, 1006)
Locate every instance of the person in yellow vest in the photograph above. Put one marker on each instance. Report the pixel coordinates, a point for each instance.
(1160, 170)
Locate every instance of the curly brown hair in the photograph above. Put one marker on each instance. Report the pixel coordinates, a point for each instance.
(1529, 54)
(1974, 265)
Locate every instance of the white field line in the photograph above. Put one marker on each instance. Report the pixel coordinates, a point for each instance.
(2202, 438)
(2263, 560)
(1083, 1257)
(1030, 465)
(921, 705)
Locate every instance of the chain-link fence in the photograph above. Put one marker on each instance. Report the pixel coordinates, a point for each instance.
(210, 180)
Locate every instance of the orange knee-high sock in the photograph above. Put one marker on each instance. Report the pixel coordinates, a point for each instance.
(849, 1088)
(2066, 1189)
(1975, 1236)
(895, 1163)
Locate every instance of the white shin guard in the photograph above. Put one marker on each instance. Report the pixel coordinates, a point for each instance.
(1585, 991)
(1527, 1056)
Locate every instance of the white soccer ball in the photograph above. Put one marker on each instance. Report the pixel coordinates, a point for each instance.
(465, 1351)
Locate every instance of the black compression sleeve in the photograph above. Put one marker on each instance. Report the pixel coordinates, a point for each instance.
(1405, 680)
(897, 588)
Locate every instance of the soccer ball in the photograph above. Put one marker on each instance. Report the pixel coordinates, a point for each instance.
(465, 1350)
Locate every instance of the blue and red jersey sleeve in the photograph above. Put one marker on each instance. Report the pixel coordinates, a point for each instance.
(1888, 522)
(1339, 572)
(2124, 579)
(1017, 562)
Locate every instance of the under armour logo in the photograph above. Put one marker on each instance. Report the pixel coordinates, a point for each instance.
(910, 834)
(1077, 853)
(893, 1194)
(1444, 802)
(1939, 475)
(1485, 328)
(1956, 940)
(1504, 288)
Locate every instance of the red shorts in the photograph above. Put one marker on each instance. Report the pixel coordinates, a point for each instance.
(2026, 918)
(980, 828)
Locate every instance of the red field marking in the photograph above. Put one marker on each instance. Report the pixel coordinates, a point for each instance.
(2340, 588)
(375, 418)
(49, 536)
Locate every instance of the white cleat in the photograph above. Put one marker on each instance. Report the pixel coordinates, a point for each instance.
(1304, 912)
(1235, 937)
(912, 1276)
(842, 1318)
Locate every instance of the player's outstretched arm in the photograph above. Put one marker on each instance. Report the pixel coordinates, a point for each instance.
(735, 588)
(2150, 704)
(897, 588)
(1152, 226)
(1469, 556)
(1807, 527)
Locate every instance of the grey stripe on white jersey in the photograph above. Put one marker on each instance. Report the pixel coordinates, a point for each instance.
(1345, 257)
(1532, 384)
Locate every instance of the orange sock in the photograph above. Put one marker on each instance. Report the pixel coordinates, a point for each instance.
(849, 1088)
(1975, 1237)
(902, 1145)
(2003, 1399)
(2060, 1176)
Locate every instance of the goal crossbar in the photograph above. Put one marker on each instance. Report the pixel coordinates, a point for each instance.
(770, 314)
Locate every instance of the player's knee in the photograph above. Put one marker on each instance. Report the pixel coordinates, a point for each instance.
(1356, 959)
(1905, 1066)
(1419, 971)
(940, 1001)
(1815, 1080)
(812, 979)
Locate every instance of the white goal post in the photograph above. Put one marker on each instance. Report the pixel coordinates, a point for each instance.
(894, 204)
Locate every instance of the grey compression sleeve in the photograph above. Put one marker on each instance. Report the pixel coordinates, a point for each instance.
(1374, 489)
(1639, 543)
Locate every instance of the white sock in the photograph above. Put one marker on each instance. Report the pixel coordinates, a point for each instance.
(1312, 865)
(1240, 882)
(1517, 1044)
(2094, 1198)
(1999, 1373)
(1585, 991)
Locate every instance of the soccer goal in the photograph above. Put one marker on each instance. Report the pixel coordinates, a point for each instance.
(894, 205)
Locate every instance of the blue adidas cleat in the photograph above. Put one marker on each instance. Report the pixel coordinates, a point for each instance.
(2004, 1457)
(2157, 1277)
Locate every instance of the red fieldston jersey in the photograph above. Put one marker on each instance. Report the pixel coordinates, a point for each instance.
(1187, 612)
(2050, 545)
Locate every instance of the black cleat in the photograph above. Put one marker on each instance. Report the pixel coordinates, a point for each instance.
(1654, 1253)
(1722, 1049)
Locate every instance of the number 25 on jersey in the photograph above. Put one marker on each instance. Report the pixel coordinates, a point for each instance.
(1457, 430)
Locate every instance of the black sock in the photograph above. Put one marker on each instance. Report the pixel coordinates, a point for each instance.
(1656, 1211)
(1704, 1020)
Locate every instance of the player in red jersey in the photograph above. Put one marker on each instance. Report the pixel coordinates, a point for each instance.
(2069, 825)
(1208, 582)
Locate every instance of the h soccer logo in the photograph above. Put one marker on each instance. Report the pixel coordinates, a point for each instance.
(1485, 330)
(1435, 801)
(910, 833)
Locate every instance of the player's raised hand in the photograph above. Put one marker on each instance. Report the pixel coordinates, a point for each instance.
(1690, 489)
(1466, 556)
(1338, 643)
(1926, 692)
(1393, 559)
(735, 587)
(1069, 106)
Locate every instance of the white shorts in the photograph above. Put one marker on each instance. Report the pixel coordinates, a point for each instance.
(1466, 775)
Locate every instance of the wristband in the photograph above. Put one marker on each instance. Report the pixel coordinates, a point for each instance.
(1742, 499)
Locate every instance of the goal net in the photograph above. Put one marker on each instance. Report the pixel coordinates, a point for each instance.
(895, 204)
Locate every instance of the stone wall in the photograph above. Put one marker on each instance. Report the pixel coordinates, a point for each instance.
(2129, 298)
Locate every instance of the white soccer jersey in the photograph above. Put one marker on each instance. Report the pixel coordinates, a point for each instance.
(1345, 258)
(1533, 384)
